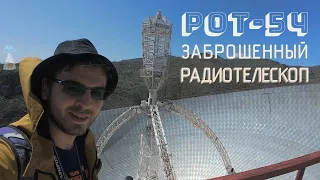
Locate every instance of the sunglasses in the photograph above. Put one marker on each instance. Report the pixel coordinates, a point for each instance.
(77, 89)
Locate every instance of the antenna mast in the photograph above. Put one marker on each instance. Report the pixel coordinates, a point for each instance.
(156, 36)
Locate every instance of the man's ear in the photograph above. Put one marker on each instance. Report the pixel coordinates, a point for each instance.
(45, 89)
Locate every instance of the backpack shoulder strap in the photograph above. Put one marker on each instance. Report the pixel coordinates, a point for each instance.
(19, 144)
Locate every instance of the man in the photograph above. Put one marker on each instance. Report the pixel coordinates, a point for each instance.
(64, 94)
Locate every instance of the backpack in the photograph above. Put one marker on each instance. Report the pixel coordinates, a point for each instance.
(20, 145)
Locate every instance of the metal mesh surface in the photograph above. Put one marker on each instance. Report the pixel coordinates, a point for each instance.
(257, 128)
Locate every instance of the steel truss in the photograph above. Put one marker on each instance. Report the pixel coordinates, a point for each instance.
(147, 166)
(156, 36)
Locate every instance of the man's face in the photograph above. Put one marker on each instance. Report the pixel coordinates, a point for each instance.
(74, 115)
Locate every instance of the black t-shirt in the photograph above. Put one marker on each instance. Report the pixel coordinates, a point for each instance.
(70, 162)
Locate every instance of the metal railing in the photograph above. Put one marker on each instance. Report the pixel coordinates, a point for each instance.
(297, 164)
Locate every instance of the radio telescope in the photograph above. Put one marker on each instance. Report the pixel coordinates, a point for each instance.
(156, 36)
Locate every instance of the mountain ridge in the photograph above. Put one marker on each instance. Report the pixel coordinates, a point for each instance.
(131, 88)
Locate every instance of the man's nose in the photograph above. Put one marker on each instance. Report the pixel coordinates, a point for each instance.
(85, 100)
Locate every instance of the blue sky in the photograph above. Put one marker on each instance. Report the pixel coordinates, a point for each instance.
(36, 27)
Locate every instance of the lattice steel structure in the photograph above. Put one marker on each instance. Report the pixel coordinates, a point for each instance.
(148, 166)
(156, 36)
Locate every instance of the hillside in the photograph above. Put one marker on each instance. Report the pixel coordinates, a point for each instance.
(131, 89)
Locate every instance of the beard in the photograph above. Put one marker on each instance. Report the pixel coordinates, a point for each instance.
(62, 121)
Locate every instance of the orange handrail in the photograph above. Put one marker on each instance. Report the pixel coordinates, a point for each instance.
(297, 164)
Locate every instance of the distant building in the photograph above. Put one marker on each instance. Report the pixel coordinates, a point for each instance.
(9, 63)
